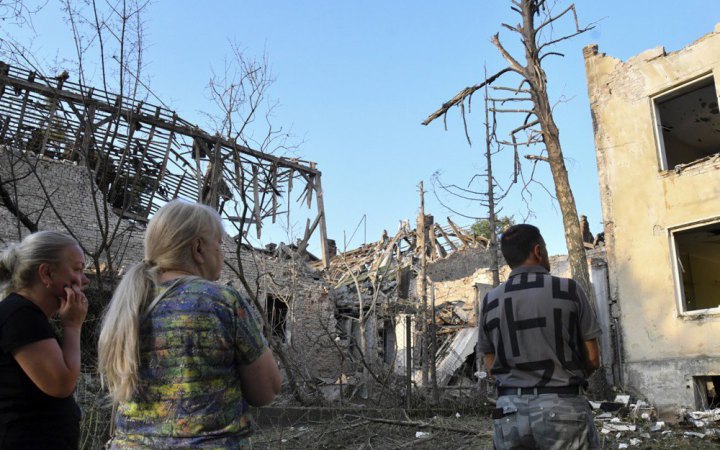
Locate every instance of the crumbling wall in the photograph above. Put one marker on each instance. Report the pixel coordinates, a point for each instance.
(461, 277)
(312, 312)
(310, 322)
(68, 187)
(642, 203)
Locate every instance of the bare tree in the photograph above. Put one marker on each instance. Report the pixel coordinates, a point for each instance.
(538, 128)
(67, 121)
(248, 192)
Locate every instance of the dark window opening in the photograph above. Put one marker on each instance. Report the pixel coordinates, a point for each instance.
(387, 337)
(698, 256)
(707, 392)
(690, 123)
(276, 311)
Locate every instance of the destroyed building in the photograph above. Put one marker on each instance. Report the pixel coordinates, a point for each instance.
(657, 139)
(385, 280)
(66, 148)
(97, 165)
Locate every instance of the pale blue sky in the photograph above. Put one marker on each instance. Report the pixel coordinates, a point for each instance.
(355, 79)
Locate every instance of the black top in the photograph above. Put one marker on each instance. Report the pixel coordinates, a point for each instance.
(30, 418)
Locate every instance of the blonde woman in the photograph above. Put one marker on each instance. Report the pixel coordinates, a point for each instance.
(182, 355)
(40, 277)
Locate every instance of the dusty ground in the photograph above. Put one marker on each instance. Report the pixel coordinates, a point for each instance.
(463, 431)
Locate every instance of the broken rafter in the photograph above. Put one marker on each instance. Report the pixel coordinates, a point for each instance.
(447, 238)
(466, 240)
(462, 95)
(179, 126)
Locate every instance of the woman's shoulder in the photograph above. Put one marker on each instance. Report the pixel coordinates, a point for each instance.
(221, 292)
(15, 302)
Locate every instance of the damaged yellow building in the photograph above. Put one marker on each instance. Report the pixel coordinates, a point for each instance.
(657, 139)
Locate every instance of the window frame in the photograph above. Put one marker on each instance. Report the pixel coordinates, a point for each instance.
(680, 302)
(676, 90)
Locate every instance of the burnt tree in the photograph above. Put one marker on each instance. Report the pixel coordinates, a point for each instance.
(538, 126)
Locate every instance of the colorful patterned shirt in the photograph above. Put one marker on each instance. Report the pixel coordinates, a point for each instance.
(192, 344)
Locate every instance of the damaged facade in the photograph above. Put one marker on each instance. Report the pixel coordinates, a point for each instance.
(657, 139)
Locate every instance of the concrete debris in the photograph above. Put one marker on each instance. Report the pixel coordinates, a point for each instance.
(642, 410)
(622, 398)
(712, 415)
(617, 427)
(658, 426)
(633, 424)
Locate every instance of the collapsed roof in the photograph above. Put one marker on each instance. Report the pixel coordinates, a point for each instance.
(144, 155)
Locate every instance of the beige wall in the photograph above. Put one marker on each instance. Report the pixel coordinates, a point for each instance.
(641, 206)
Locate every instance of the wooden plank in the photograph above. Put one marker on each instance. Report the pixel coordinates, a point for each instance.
(256, 202)
(310, 189)
(4, 71)
(447, 238)
(163, 168)
(309, 229)
(460, 235)
(324, 253)
(273, 177)
(18, 133)
(51, 116)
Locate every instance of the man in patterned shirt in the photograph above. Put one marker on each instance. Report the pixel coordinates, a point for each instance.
(539, 337)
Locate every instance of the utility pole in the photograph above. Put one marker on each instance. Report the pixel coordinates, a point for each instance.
(422, 248)
(492, 245)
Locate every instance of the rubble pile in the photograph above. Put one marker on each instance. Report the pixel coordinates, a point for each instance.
(628, 424)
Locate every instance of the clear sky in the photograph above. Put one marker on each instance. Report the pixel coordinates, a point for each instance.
(354, 81)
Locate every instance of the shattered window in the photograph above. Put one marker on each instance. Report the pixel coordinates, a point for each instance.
(698, 261)
(276, 310)
(688, 123)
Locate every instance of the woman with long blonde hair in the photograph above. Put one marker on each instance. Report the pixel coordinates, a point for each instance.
(183, 356)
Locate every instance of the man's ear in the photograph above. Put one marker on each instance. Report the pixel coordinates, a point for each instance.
(537, 252)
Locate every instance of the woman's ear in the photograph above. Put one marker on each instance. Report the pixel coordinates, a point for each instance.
(45, 274)
(197, 251)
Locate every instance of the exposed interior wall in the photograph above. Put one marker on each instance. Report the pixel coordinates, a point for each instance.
(642, 206)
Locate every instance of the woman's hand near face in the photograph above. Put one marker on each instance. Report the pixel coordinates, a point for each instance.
(73, 307)
(55, 368)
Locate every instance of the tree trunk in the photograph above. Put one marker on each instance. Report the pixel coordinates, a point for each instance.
(537, 79)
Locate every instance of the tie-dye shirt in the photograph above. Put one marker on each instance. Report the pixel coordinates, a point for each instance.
(191, 346)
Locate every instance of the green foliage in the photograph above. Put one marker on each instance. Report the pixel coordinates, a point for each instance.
(482, 227)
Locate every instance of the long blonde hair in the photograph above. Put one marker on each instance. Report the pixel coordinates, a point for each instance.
(19, 262)
(168, 246)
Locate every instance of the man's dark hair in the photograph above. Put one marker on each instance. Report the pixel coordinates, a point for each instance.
(518, 241)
